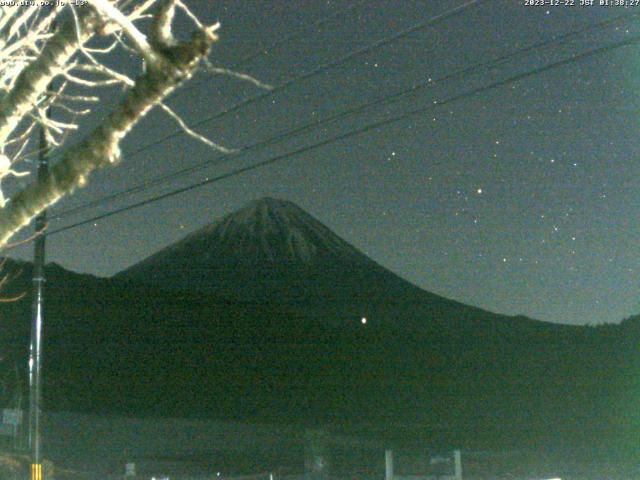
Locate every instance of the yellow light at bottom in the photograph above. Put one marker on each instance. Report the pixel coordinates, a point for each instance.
(36, 471)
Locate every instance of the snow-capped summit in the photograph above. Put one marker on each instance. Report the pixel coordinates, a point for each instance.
(276, 231)
(270, 248)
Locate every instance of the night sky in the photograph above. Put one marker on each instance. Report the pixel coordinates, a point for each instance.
(519, 200)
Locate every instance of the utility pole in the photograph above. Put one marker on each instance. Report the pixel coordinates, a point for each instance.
(37, 317)
(37, 310)
(388, 462)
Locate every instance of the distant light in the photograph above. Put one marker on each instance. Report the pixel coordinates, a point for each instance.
(363, 320)
(218, 474)
(479, 191)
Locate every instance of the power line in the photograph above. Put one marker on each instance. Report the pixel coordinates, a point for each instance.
(322, 68)
(318, 70)
(333, 118)
(514, 78)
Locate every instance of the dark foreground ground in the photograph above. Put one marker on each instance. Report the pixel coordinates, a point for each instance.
(82, 447)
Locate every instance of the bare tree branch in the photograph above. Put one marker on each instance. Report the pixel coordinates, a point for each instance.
(33, 81)
(192, 133)
(139, 40)
(37, 65)
(240, 76)
(171, 67)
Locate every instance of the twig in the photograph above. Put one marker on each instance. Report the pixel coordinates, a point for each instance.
(241, 76)
(193, 133)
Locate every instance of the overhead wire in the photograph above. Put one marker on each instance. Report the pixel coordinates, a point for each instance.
(397, 96)
(366, 128)
(431, 21)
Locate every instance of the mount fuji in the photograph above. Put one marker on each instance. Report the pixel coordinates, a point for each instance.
(259, 316)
